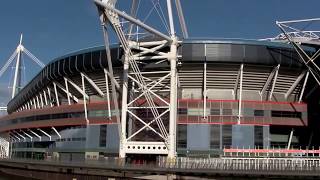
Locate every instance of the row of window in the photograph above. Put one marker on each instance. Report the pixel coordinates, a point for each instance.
(181, 111)
(91, 113)
(42, 144)
(43, 117)
(234, 112)
(71, 139)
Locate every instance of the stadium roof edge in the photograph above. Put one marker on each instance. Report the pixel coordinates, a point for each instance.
(242, 41)
(81, 51)
(191, 40)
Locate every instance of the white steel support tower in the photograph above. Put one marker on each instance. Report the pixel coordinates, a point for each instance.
(141, 92)
(17, 54)
(17, 71)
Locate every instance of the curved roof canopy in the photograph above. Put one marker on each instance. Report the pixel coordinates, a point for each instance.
(192, 51)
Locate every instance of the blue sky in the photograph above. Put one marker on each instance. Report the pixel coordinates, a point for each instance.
(54, 28)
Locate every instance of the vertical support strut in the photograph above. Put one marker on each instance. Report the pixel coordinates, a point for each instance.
(34, 103)
(107, 93)
(56, 93)
(124, 106)
(290, 139)
(240, 95)
(205, 90)
(38, 102)
(274, 82)
(173, 100)
(84, 99)
(49, 95)
(173, 85)
(303, 86)
(41, 100)
(45, 97)
(67, 89)
(17, 72)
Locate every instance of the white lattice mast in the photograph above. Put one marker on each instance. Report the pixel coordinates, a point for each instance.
(17, 72)
(17, 54)
(136, 84)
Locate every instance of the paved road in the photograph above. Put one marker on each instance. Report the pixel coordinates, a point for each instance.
(4, 176)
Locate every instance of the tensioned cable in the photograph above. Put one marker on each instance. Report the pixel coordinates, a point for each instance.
(34, 58)
(164, 17)
(23, 69)
(148, 15)
(5, 67)
(161, 16)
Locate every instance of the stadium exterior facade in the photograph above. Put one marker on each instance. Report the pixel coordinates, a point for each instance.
(232, 94)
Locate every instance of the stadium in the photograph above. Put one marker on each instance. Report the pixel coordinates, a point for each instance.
(269, 75)
(134, 99)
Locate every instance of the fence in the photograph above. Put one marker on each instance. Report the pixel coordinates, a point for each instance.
(244, 164)
(4, 148)
(185, 165)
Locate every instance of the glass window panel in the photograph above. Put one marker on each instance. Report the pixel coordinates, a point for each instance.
(227, 111)
(258, 112)
(215, 136)
(215, 112)
(182, 136)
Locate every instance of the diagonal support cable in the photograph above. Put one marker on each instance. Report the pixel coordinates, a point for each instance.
(9, 61)
(34, 58)
(301, 52)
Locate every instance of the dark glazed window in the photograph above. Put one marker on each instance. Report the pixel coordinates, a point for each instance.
(227, 111)
(258, 136)
(215, 112)
(227, 136)
(286, 114)
(183, 111)
(182, 136)
(258, 113)
(215, 136)
(103, 135)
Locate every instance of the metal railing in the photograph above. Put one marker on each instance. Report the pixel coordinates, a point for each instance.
(226, 165)
(244, 164)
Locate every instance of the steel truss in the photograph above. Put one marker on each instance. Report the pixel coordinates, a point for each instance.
(139, 90)
(298, 37)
